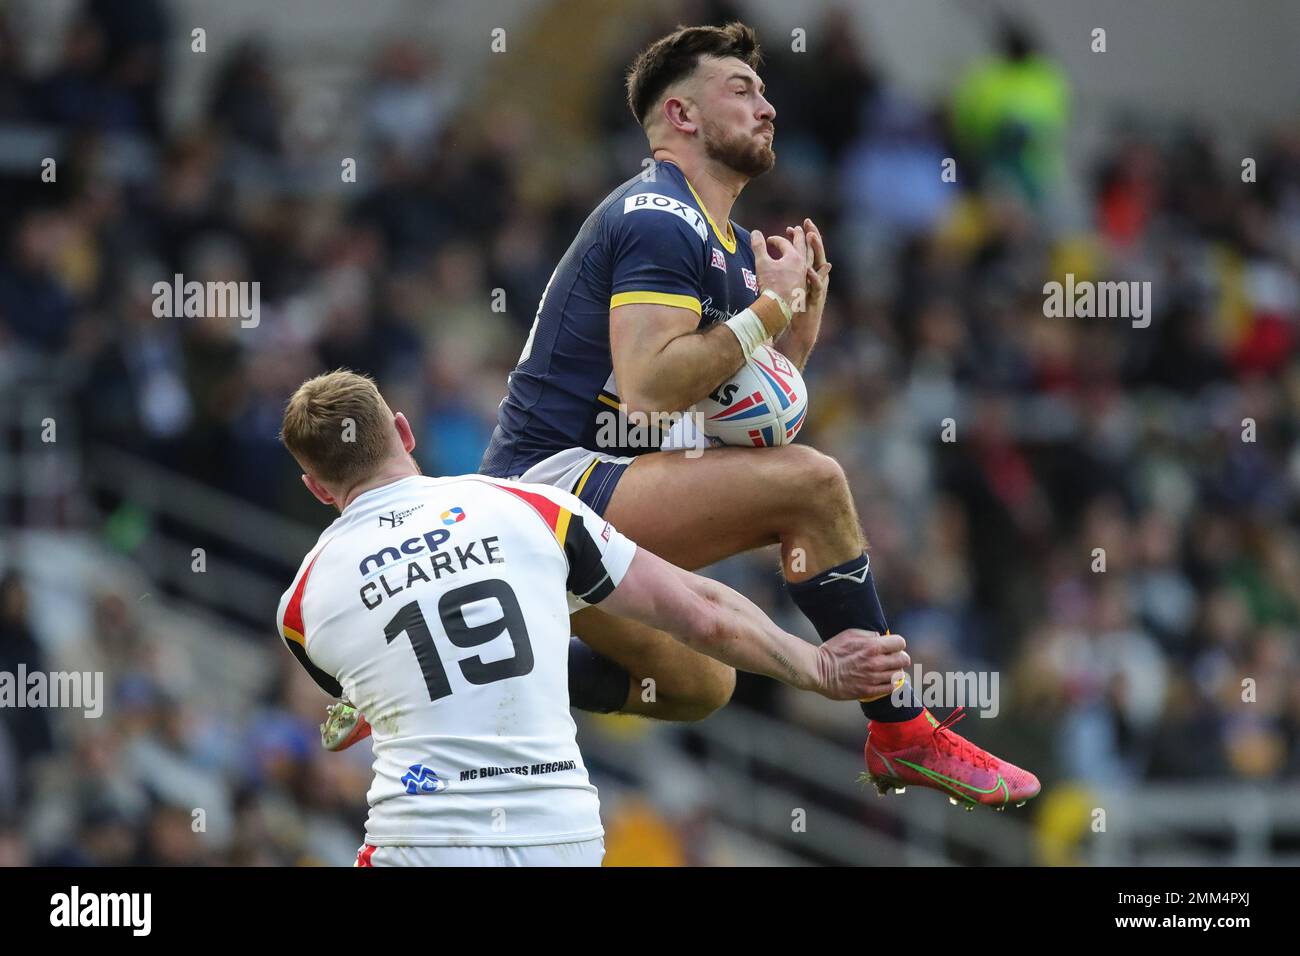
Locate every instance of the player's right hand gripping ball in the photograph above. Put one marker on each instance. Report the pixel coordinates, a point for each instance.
(344, 726)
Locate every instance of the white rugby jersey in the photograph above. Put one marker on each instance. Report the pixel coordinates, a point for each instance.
(438, 607)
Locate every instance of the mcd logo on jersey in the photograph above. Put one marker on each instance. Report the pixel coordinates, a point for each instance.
(430, 540)
(452, 516)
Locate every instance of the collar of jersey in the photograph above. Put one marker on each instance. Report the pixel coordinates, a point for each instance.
(727, 243)
(374, 494)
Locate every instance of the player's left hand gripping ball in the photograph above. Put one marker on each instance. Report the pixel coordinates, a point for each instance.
(818, 276)
(344, 726)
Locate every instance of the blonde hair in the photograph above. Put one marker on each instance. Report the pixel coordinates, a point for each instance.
(338, 428)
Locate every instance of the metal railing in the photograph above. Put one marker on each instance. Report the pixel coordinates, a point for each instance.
(40, 466)
(1213, 823)
(219, 523)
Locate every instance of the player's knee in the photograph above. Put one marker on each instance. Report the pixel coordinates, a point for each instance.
(819, 480)
(724, 686)
(713, 692)
(829, 477)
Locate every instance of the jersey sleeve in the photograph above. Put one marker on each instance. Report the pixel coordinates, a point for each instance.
(597, 555)
(657, 245)
(293, 631)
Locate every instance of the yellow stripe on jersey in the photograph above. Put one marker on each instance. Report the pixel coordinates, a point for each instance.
(656, 298)
(585, 475)
(562, 525)
(607, 400)
(728, 241)
(547, 508)
(294, 636)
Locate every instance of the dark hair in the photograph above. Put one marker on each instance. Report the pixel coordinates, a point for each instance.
(670, 58)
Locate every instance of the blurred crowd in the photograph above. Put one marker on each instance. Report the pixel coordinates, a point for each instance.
(1105, 515)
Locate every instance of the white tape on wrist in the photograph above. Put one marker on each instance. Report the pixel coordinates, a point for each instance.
(785, 307)
(749, 329)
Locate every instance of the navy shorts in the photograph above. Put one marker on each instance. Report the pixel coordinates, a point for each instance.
(590, 476)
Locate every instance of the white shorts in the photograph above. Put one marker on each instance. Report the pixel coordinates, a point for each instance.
(588, 475)
(586, 853)
(591, 476)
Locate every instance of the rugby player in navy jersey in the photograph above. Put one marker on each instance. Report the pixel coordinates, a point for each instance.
(661, 298)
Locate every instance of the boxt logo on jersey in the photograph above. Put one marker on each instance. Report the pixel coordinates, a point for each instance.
(430, 541)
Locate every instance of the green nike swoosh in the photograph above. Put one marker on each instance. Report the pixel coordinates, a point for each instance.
(944, 781)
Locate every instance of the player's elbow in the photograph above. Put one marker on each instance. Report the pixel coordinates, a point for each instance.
(645, 401)
(687, 608)
(714, 681)
(707, 631)
(700, 622)
(637, 403)
(655, 388)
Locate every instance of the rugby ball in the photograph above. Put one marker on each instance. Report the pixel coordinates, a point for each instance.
(762, 405)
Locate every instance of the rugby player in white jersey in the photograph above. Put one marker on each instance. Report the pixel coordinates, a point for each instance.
(439, 608)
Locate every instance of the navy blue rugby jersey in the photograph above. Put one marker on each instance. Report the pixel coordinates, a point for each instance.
(650, 240)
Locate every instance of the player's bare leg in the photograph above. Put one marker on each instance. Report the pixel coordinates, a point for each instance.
(710, 526)
(730, 500)
(666, 679)
(695, 511)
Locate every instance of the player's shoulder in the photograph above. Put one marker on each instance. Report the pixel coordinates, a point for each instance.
(547, 500)
(295, 593)
(559, 510)
(389, 506)
(656, 200)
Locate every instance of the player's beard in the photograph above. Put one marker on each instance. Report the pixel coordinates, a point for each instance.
(737, 151)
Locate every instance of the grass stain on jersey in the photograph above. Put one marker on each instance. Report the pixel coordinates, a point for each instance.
(505, 714)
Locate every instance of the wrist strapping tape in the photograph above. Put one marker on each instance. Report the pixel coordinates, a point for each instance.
(749, 330)
(785, 307)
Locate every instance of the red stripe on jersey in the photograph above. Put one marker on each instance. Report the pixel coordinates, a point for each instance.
(544, 506)
(293, 612)
(364, 855)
